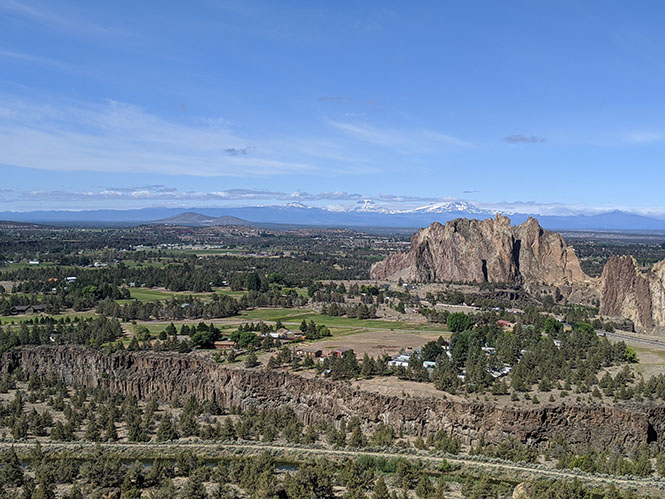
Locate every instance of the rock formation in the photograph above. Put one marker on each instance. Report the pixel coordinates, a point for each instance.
(628, 292)
(488, 250)
(166, 375)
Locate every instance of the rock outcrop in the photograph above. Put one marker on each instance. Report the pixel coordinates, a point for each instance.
(166, 375)
(488, 250)
(626, 291)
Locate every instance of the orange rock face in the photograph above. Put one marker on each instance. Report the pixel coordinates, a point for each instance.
(489, 250)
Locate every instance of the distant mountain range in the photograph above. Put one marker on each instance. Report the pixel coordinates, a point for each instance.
(364, 215)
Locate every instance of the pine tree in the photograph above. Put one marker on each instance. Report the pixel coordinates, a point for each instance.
(110, 433)
(44, 490)
(11, 472)
(251, 360)
(380, 489)
(228, 430)
(166, 430)
(424, 487)
(75, 493)
(92, 431)
(357, 439)
(193, 488)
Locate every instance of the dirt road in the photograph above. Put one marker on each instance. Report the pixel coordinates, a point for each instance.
(517, 471)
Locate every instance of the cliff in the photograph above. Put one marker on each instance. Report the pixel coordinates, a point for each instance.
(628, 292)
(488, 250)
(165, 375)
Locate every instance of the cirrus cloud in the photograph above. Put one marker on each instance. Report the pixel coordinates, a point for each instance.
(118, 137)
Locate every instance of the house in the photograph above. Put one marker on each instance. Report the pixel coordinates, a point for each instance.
(70, 279)
(308, 352)
(340, 352)
(428, 364)
(225, 345)
(20, 309)
(33, 262)
(500, 372)
(284, 334)
(506, 325)
(489, 350)
(27, 309)
(401, 360)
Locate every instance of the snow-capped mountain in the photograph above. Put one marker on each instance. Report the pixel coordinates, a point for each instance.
(370, 206)
(449, 207)
(365, 213)
(295, 204)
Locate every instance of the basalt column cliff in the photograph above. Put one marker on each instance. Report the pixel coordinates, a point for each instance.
(165, 375)
(489, 250)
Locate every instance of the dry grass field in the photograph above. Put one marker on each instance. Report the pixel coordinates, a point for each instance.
(377, 343)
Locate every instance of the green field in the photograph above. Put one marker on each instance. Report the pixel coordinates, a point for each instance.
(295, 316)
(146, 294)
(15, 266)
(149, 294)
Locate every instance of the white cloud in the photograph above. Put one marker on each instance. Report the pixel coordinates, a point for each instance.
(563, 209)
(161, 195)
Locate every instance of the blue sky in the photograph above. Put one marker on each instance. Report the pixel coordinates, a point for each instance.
(540, 106)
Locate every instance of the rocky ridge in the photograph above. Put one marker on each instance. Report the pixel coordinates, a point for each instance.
(490, 250)
(166, 375)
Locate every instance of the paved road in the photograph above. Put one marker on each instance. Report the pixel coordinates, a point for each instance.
(213, 449)
(636, 339)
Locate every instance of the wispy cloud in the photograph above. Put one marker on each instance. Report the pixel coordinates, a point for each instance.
(56, 20)
(404, 138)
(523, 139)
(405, 198)
(160, 192)
(33, 59)
(117, 137)
(645, 137)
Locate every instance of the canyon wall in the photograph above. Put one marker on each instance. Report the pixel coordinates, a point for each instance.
(165, 375)
(626, 291)
(488, 250)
